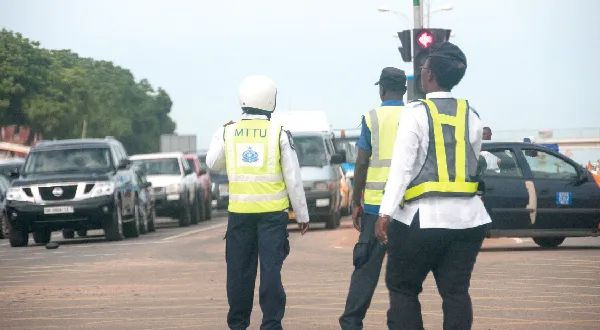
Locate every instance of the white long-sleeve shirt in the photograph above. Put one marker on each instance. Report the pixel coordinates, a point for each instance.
(410, 151)
(290, 168)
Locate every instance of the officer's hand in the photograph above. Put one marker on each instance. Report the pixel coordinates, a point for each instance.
(303, 227)
(356, 214)
(381, 228)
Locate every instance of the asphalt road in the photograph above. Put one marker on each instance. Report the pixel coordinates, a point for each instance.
(175, 279)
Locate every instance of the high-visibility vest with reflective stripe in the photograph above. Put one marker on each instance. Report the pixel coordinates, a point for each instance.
(253, 159)
(383, 124)
(451, 164)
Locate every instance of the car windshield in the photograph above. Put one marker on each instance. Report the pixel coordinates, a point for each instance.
(161, 166)
(349, 146)
(310, 150)
(69, 160)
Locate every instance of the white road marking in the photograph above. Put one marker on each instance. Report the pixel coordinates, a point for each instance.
(194, 231)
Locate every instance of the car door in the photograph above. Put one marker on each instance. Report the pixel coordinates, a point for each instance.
(567, 197)
(506, 194)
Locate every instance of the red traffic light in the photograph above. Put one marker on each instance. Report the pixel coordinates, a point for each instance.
(425, 39)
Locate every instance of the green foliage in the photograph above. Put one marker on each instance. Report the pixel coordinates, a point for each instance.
(55, 91)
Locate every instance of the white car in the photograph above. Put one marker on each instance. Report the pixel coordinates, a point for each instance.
(174, 185)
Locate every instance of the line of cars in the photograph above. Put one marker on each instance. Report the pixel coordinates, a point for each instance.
(78, 185)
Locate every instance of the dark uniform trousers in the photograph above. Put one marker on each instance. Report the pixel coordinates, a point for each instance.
(449, 253)
(252, 237)
(368, 257)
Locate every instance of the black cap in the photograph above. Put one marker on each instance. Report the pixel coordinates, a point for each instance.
(392, 78)
(449, 53)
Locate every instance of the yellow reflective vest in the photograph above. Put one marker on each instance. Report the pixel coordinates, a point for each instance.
(451, 164)
(253, 158)
(383, 124)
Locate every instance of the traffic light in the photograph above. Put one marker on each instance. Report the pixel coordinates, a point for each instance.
(406, 49)
(423, 39)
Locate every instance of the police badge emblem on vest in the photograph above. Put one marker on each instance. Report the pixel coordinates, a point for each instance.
(250, 156)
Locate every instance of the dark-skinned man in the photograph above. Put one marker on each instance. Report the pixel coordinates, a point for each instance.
(375, 145)
(264, 178)
(438, 221)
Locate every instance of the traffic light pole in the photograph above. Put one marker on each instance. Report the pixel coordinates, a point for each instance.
(418, 14)
(412, 90)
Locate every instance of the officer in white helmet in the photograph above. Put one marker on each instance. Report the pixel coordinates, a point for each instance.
(264, 178)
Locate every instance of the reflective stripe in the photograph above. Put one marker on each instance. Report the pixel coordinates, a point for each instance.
(374, 135)
(461, 149)
(375, 185)
(255, 177)
(438, 140)
(258, 198)
(441, 187)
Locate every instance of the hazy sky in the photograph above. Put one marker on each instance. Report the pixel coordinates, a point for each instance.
(531, 64)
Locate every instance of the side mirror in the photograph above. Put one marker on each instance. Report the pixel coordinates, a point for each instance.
(147, 184)
(124, 163)
(582, 176)
(338, 158)
(14, 173)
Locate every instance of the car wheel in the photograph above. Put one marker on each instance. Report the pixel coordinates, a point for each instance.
(196, 217)
(113, 226)
(151, 227)
(4, 227)
(332, 221)
(208, 209)
(548, 242)
(18, 236)
(184, 216)
(82, 232)
(132, 228)
(144, 217)
(42, 236)
(68, 233)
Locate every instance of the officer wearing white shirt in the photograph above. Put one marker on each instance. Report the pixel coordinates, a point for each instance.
(438, 221)
(264, 177)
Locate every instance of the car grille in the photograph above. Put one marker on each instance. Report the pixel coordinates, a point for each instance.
(68, 192)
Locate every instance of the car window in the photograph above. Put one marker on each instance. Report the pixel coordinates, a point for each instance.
(500, 162)
(547, 166)
(310, 150)
(187, 168)
(160, 166)
(66, 160)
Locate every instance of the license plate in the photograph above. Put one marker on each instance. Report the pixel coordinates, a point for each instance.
(58, 209)
(291, 215)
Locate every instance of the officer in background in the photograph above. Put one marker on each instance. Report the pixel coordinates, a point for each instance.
(375, 147)
(264, 177)
(439, 223)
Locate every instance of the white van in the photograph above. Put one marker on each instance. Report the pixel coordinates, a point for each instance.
(319, 163)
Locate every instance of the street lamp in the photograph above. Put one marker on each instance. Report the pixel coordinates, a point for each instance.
(397, 13)
(447, 7)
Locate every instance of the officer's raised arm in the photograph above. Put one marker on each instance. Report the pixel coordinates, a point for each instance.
(215, 157)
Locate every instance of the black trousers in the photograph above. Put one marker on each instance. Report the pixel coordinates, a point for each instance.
(249, 238)
(368, 257)
(449, 253)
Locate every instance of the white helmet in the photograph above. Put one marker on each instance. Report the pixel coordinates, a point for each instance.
(258, 92)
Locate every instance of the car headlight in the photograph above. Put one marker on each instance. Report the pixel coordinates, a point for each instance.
(103, 188)
(173, 189)
(18, 194)
(320, 186)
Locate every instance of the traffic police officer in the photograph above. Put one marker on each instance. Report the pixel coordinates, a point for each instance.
(375, 147)
(439, 224)
(264, 177)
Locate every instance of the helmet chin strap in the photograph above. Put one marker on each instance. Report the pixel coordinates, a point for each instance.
(254, 111)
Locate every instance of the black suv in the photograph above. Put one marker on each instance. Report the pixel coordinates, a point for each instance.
(74, 185)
